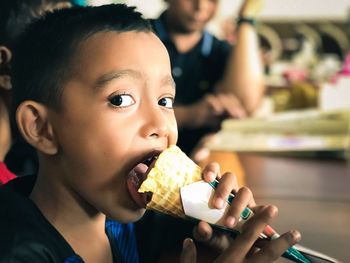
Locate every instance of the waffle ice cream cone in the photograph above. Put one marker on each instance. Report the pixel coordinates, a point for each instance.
(172, 170)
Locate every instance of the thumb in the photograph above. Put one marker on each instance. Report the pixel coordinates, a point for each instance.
(189, 252)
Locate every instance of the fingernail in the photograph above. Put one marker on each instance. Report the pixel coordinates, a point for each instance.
(230, 221)
(294, 236)
(219, 203)
(211, 175)
(188, 242)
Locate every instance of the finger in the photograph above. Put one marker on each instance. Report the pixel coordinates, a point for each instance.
(275, 248)
(211, 172)
(251, 231)
(232, 106)
(215, 104)
(259, 208)
(189, 252)
(216, 240)
(202, 232)
(253, 251)
(228, 183)
(222, 100)
(252, 203)
(241, 200)
(238, 112)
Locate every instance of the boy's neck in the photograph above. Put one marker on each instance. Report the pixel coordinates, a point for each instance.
(185, 42)
(81, 226)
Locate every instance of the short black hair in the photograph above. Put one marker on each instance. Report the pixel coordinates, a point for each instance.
(44, 56)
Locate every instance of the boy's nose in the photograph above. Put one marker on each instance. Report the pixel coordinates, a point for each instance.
(156, 126)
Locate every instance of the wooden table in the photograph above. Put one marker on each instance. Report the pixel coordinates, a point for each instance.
(313, 196)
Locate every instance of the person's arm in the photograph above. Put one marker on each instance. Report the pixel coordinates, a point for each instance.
(244, 75)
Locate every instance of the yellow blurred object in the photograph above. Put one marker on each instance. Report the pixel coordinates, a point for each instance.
(300, 95)
(251, 8)
(301, 132)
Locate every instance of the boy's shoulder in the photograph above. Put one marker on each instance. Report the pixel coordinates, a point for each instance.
(26, 235)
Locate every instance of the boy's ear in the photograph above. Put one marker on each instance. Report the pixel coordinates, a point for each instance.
(35, 127)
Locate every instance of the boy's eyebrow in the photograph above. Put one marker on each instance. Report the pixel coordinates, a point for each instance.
(169, 81)
(108, 77)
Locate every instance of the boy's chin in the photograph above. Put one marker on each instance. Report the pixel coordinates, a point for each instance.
(137, 215)
(129, 216)
(140, 215)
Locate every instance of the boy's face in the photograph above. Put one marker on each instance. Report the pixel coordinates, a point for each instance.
(117, 112)
(191, 15)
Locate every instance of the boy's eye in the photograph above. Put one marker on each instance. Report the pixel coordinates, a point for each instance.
(166, 102)
(123, 100)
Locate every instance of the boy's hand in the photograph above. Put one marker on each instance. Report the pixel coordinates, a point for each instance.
(228, 184)
(245, 247)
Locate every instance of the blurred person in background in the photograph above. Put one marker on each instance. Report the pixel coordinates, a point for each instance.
(15, 15)
(5, 130)
(213, 80)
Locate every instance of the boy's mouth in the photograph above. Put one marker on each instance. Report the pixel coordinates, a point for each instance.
(136, 176)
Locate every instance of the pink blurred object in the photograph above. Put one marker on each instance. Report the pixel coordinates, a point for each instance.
(295, 75)
(345, 70)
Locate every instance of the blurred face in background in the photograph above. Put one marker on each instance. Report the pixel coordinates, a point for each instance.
(189, 16)
(5, 86)
(16, 16)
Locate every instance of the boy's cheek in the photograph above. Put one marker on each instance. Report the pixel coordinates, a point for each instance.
(173, 136)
